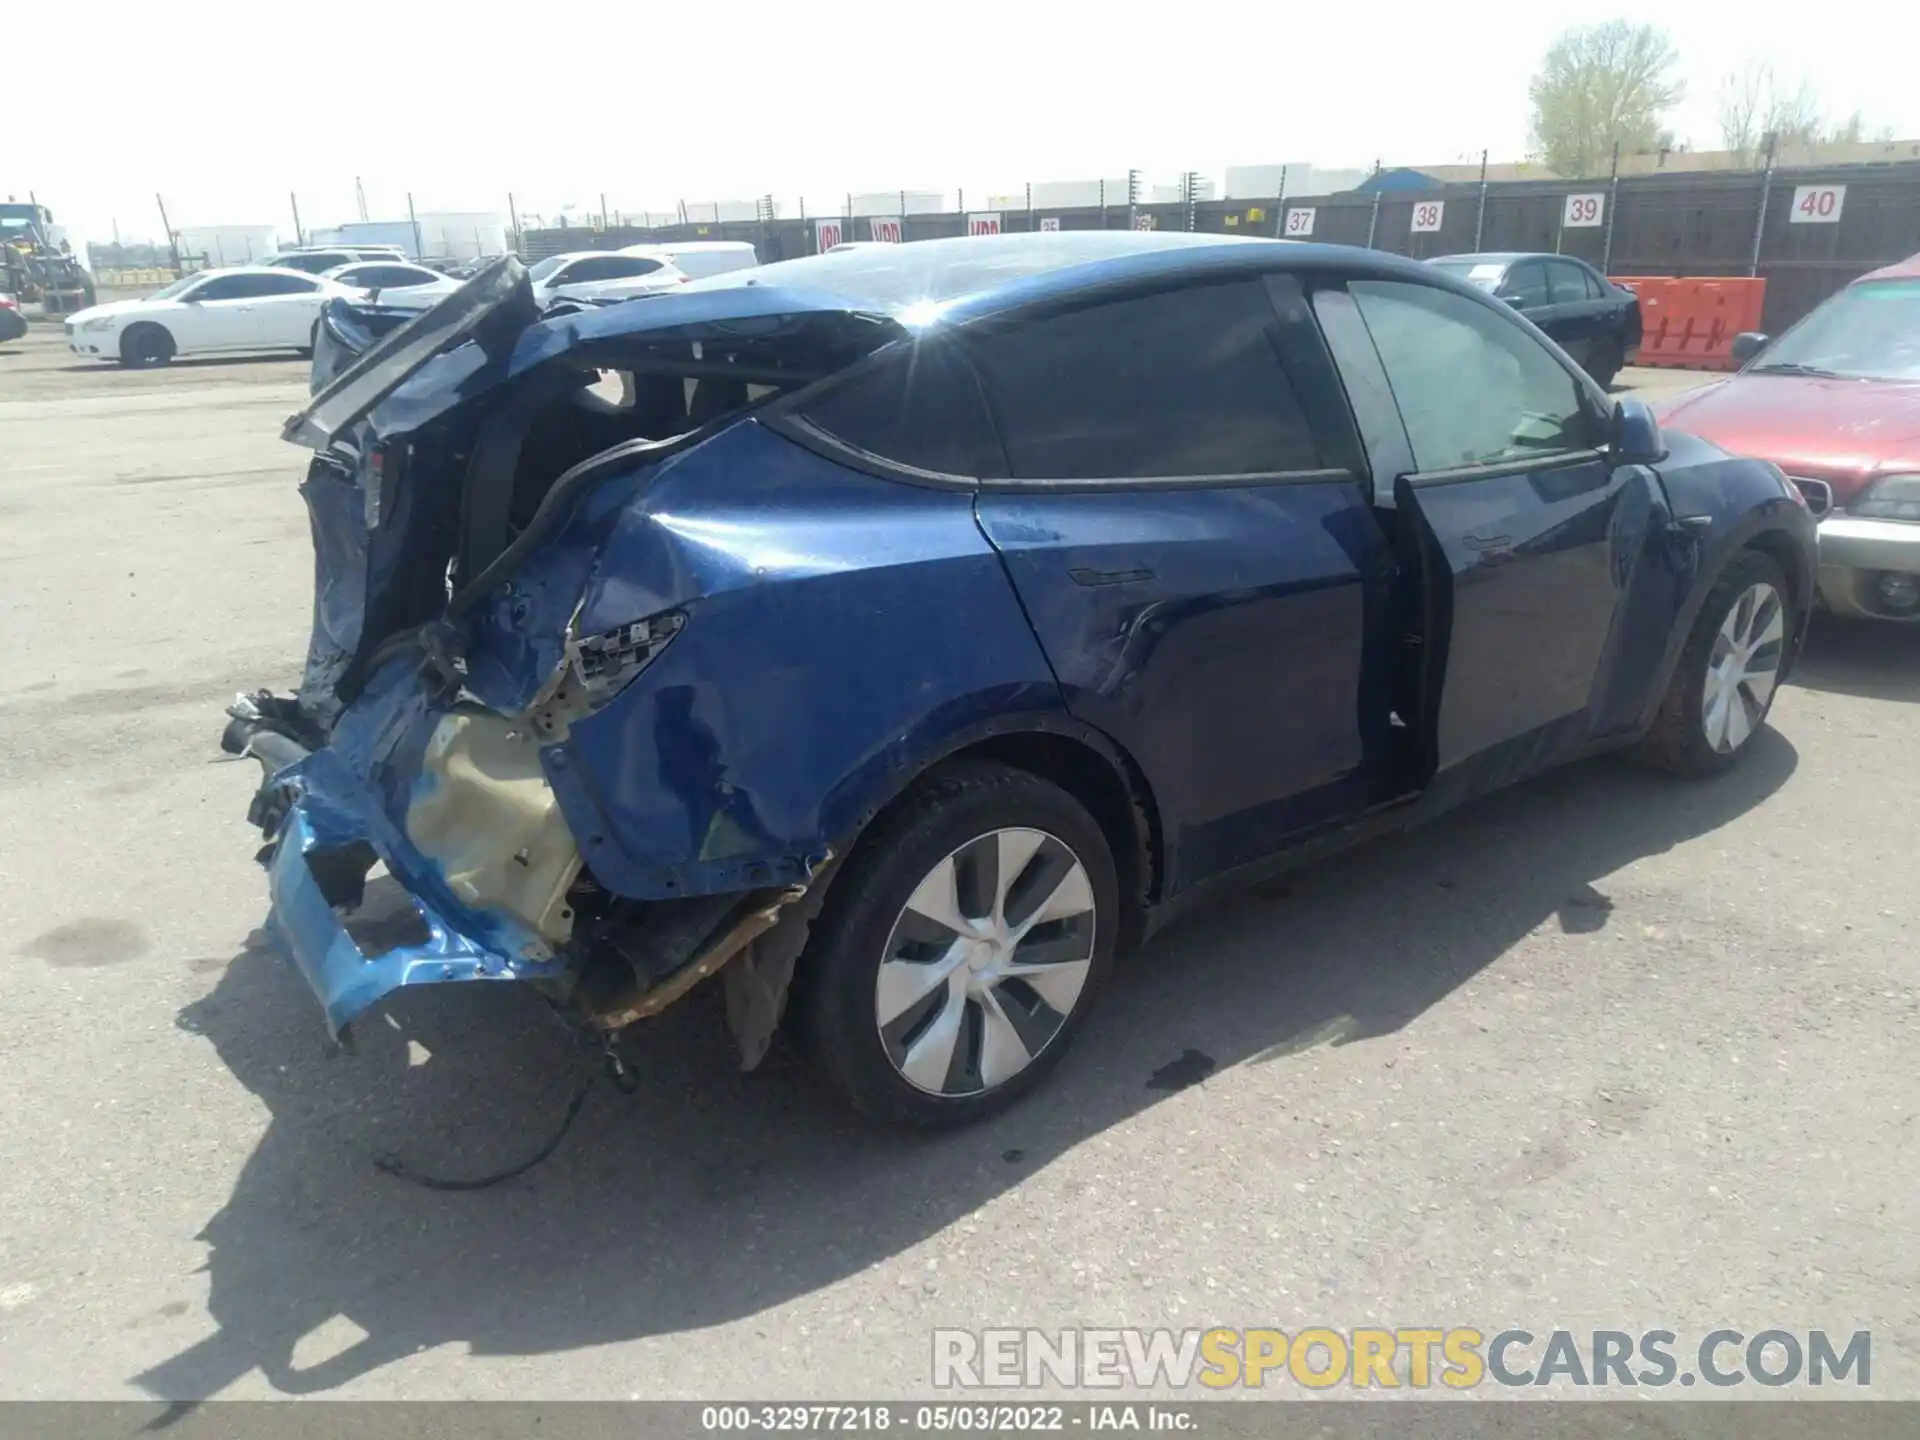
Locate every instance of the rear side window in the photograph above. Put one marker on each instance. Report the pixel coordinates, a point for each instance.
(1182, 383)
(919, 405)
(392, 277)
(1473, 386)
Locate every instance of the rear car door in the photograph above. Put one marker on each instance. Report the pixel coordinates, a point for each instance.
(283, 316)
(1186, 523)
(1579, 321)
(1520, 543)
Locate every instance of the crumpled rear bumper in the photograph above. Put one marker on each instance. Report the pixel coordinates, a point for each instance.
(327, 822)
(345, 979)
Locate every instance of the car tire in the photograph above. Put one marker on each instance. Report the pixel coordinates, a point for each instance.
(1718, 697)
(1607, 360)
(146, 345)
(911, 1018)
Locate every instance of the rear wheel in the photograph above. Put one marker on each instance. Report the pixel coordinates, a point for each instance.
(146, 345)
(961, 948)
(1723, 686)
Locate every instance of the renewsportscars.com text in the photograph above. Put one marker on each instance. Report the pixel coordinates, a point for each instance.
(1420, 1357)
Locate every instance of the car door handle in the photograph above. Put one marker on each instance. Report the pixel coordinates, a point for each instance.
(1084, 576)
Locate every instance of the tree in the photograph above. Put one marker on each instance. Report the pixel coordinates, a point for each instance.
(1755, 103)
(1600, 86)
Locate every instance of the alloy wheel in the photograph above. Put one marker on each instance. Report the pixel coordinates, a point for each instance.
(985, 963)
(1743, 667)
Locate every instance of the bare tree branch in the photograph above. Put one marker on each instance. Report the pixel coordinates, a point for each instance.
(1600, 86)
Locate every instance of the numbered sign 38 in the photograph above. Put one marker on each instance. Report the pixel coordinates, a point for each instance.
(1817, 204)
(826, 235)
(886, 231)
(1583, 212)
(1427, 215)
(1300, 222)
(983, 224)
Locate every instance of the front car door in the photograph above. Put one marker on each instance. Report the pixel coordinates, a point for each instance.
(220, 314)
(1521, 544)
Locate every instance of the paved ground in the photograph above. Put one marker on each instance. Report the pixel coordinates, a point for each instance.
(1605, 1051)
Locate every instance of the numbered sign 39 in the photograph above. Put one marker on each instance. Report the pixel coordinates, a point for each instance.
(1583, 212)
(983, 224)
(1817, 204)
(886, 231)
(826, 235)
(1427, 215)
(1049, 222)
(1300, 221)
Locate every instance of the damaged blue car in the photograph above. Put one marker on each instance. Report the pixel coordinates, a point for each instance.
(895, 635)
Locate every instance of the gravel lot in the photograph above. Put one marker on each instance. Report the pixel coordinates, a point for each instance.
(1605, 1051)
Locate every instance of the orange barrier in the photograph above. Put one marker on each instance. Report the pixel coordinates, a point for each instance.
(1691, 322)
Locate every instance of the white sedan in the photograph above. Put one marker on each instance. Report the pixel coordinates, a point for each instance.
(395, 282)
(599, 275)
(214, 312)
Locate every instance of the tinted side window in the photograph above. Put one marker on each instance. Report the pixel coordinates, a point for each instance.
(918, 405)
(1568, 281)
(283, 285)
(390, 277)
(1527, 283)
(314, 264)
(231, 287)
(1185, 382)
(1473, 387)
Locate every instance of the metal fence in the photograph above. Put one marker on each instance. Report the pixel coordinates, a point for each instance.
(1685, 223)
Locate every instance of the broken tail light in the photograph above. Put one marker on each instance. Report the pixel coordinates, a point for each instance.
(599, 667)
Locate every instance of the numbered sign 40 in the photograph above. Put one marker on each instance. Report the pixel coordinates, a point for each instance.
(1583, 212)
(1427, 215)
(1300, 221)
(1817, 204)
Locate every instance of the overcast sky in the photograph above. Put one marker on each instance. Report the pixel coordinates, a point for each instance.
(224, 109)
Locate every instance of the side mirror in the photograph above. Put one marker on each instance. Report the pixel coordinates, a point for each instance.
(1746, 345)
(1635, 435)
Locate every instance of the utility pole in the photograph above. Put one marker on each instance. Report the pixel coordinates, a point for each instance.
(294, 200)
(1772, 143)
(513, 219)
(414, 221)
(173, 241)
(1480, 220)
(1133, 199)
(360, 197)
(1280, 205)
(1613, 205)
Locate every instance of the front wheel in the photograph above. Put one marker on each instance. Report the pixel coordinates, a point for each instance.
(961, 948)
(1723, 685)
(146, 345)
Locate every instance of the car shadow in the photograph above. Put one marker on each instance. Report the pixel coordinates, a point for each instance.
(707, 1196)
(202, 362)
(1871, 659)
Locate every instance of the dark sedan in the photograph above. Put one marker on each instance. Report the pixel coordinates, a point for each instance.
(1586, 314)
(923, 625)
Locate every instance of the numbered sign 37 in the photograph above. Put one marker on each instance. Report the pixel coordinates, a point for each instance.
(886, 231)
(1049, 222)
(1583, 212)
(1300, 221)
(1817, 204)
(983, 224)
(826, 235)
(1427, 215)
